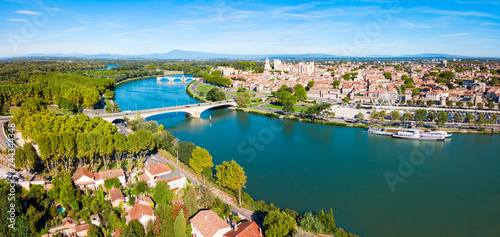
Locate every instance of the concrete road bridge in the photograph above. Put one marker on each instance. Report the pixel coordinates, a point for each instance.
(183, 78)
(193, 110)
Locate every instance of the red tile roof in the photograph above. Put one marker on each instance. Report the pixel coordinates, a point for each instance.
(144, 199)
(109, 174)
(158, 169)
(245, 229)
(80, 172)
(116, 194)
(139, 210)
(82, 227)
(208, 223)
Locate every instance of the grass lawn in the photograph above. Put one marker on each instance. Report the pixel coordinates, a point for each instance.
(256, 104)
(297, 108)
(13, 111)
(235, 93)
(204, 88)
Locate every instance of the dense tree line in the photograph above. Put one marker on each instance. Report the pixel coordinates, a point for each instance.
(216, 79)
(20, 71)
(84, 91)
(66, 142)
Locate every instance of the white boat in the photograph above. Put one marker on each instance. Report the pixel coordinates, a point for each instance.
(444, 133)
(417, 134)
(384, 131)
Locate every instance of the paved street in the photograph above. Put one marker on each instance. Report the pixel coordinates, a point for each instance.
(246, 214)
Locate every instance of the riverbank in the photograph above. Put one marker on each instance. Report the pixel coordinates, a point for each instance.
(169, 73)
(299, 119)
(194, 95)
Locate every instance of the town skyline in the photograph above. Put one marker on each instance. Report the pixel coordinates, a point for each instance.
(357, 29)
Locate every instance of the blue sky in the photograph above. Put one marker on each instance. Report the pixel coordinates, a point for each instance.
(353, 28)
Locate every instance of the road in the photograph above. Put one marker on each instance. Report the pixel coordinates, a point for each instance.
(242, 212)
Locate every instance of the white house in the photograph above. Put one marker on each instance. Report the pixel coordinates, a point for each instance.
(151, 173)
(174, 179)
(142, 213)
(161, 172)
(83, 178)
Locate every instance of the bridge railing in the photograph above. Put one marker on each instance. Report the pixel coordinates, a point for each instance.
(165, 108)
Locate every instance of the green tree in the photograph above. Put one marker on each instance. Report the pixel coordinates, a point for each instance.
(206, 198)
(162, 193)
(327, 220)
(442, 117)
(406, 117)
(480, 105)
(112, 183)
(447, 75)
(387, 75)
(310, 223)
(185, 150)
(336, 84)
(310, 85)
(215, 94)
(63, 189)
(134, 229)
(94, 231)
(190, 201)
(360, 117)
(232, 176)
(284, 95)
(300, 92)
(395, 115)
(420, 115)
(242, 99)
(145, 142)
(279, 224)
(200, 159)
(469, 104)
(460, 104)
(415, 92)
(430, 103)
(431, 116)
(449, 103)
(288, 106)
(180, 225)
(490, 104)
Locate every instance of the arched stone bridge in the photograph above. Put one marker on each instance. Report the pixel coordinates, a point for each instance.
(193, 110)
(184, 79)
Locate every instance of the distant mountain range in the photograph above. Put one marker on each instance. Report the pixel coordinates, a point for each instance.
(193, 55)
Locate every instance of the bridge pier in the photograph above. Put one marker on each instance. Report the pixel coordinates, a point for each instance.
(195, 114)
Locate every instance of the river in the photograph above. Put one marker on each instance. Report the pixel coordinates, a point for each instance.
(376, 185)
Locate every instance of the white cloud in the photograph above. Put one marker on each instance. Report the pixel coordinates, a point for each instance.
(490, 24)
(462, 13)
(26, 12)
(75, 30)
(453, 35)
(55, 9)
(86, 22)
(21, 20)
